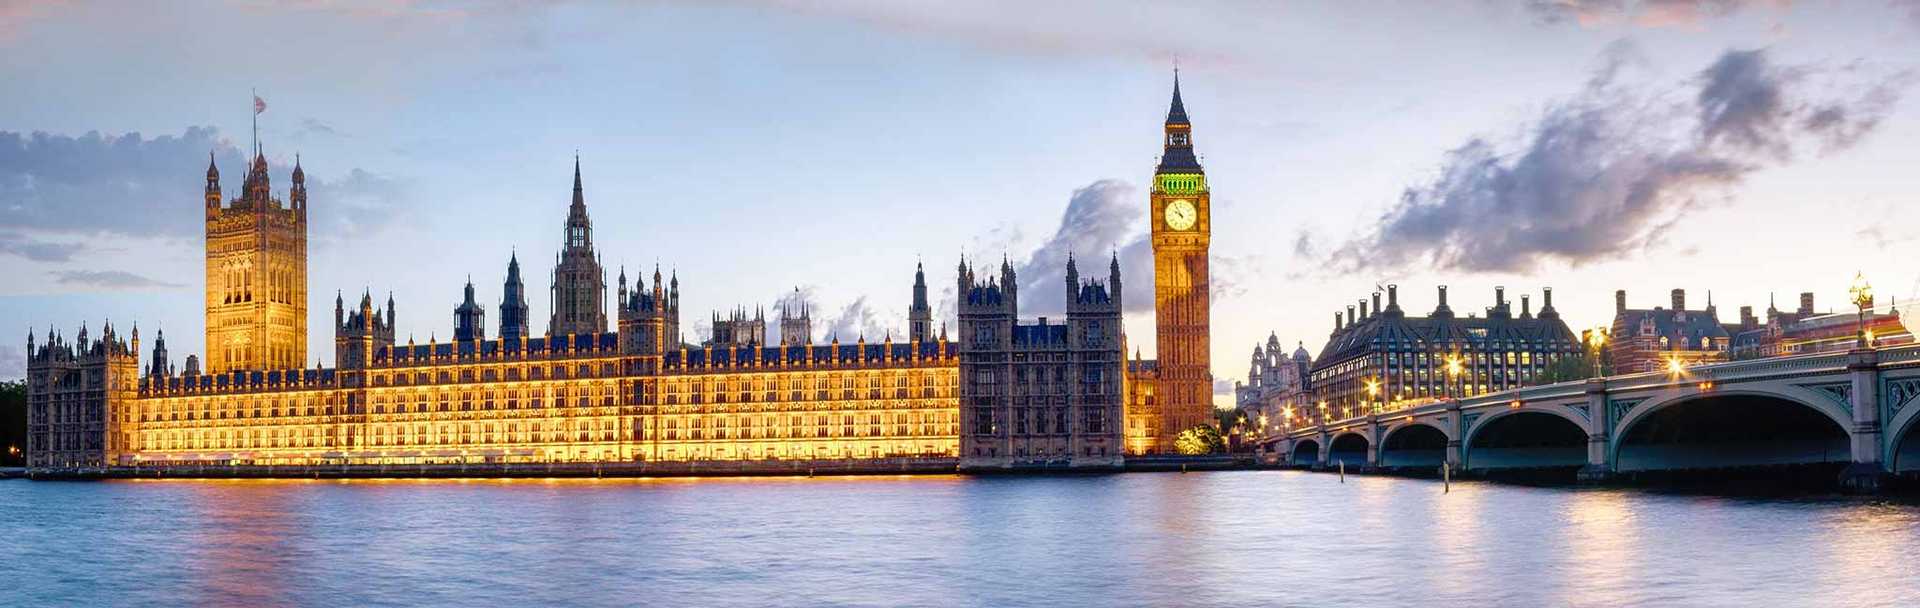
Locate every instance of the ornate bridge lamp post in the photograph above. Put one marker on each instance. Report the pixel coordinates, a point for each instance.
(1373, 395)
(1862, 293)
(1597, 340)
(1453, 375)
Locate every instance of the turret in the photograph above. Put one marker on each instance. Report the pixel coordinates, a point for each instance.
(298, 194)
(1113, 280)
(796, 328)
(158, 368)
(919, 314)
(513, 304)
(213, 186)
(470, 318)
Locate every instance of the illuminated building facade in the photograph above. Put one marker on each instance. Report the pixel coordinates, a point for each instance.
(1181, 216)
(256, 298)
(1040, 394)
(1804, 331)
(1380, 359)
(1649, 340)
(634, 394)
(1275, 381)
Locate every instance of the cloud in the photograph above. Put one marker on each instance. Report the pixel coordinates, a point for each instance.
(37, 250)
(1608, 172)
(1102, 218)
(859, 319)
(1222, 386)
(358, 203)
(132, 185)
(126, 184)
(109, 279)
(1643, 13)
(315, 126)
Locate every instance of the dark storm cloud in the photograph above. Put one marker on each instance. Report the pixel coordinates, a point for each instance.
(1101, 218)
(108, 279)
(1607, 173)
(137, 186)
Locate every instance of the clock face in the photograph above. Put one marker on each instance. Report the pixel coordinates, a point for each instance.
(1180, 215)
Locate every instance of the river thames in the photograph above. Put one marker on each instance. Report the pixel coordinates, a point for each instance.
(1255, 538)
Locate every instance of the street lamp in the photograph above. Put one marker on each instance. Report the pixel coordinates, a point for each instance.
(1453, 373)
(1862, 293)
(1675, 367)
(1373, 394)
(1597, 339)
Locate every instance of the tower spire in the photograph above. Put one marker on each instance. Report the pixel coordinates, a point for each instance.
(579, 200)
(1177, 113)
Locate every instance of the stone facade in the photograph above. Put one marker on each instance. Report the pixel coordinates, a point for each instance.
(1042, 394)
(1379, 359)
(256, 253)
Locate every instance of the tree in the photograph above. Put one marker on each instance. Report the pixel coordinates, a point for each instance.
(1572, 367)
(1200, 441)
(13, 423)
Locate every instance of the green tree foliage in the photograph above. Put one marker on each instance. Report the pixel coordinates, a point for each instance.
(1199, 441)
(13, 423)
(1577, 367)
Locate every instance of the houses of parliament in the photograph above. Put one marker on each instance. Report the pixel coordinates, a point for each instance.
(1001, 393)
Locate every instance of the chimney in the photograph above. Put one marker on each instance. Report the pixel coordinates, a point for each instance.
(1526, 307)
(1393, 297)
(1546, 299)
(1349, 316)
(1806, 302)
(1336, 321)
(1619, 301)
(1499, 297)
(1679, 300)
(1363, 310)
(1747, 319)
(1376, 303)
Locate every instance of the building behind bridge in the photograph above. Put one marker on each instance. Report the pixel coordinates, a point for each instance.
(1276, 380)
(1380, 359)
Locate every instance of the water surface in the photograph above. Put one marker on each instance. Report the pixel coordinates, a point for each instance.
(1203, 539)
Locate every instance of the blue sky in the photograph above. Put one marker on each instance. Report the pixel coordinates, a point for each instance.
(756, 147)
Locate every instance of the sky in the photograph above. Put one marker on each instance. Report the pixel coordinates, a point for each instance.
(1743, 149)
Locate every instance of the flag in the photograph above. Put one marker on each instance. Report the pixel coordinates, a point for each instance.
(259, 105)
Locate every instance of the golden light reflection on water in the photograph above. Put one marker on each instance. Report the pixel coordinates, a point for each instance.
(1457, 516)
(1600, 536)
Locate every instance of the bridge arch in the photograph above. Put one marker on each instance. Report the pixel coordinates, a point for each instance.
(1413, 445)
(1902, 398)
(1731, 428)
(1305, 452)
(1525, 438)
(1349, 448)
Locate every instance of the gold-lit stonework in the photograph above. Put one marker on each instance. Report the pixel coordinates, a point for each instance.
(1176, 390)
(256, 298)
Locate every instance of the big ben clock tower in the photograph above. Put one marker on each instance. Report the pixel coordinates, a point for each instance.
(1182, 223)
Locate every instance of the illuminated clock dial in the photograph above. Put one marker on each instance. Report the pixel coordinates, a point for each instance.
(1180, 215)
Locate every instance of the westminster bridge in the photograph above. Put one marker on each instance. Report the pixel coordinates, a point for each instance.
(1854, 409)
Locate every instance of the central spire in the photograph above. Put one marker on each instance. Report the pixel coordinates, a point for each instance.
(580, 200)
(1177, 113)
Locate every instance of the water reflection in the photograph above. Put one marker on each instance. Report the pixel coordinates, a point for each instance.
(1201, 539)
